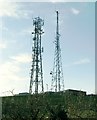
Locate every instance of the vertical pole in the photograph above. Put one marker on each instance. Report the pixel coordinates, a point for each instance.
(41, 63)
(37, 67)
(58, 52)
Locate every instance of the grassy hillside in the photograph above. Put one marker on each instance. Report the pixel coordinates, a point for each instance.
(48, 105)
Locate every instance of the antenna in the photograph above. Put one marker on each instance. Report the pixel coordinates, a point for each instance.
(36, 79)
(57, 73)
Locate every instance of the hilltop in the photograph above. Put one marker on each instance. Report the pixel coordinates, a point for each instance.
(76, 104)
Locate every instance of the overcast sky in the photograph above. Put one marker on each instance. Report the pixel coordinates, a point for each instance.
(77, 29)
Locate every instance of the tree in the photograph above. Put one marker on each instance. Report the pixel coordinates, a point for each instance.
(57, 112)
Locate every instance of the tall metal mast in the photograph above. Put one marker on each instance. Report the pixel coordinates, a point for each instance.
(36, 70)
(57, 73)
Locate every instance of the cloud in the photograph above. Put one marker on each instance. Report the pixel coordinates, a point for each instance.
(54, 1)
(3, 45)
(11, 77)
(22, 58)
(27, 31)
(8, 9)
(9, 70)
(75, 11)
(13, 9)
(82, 61)
(79, 62)
(2, 27)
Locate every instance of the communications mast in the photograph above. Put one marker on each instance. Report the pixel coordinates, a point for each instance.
(57, 73)
(36, 80)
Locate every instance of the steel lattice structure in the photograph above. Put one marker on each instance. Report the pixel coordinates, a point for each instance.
(36, 80)
(57, 73)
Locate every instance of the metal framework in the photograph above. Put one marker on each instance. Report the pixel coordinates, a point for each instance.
(57, 73)
(36, 80)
